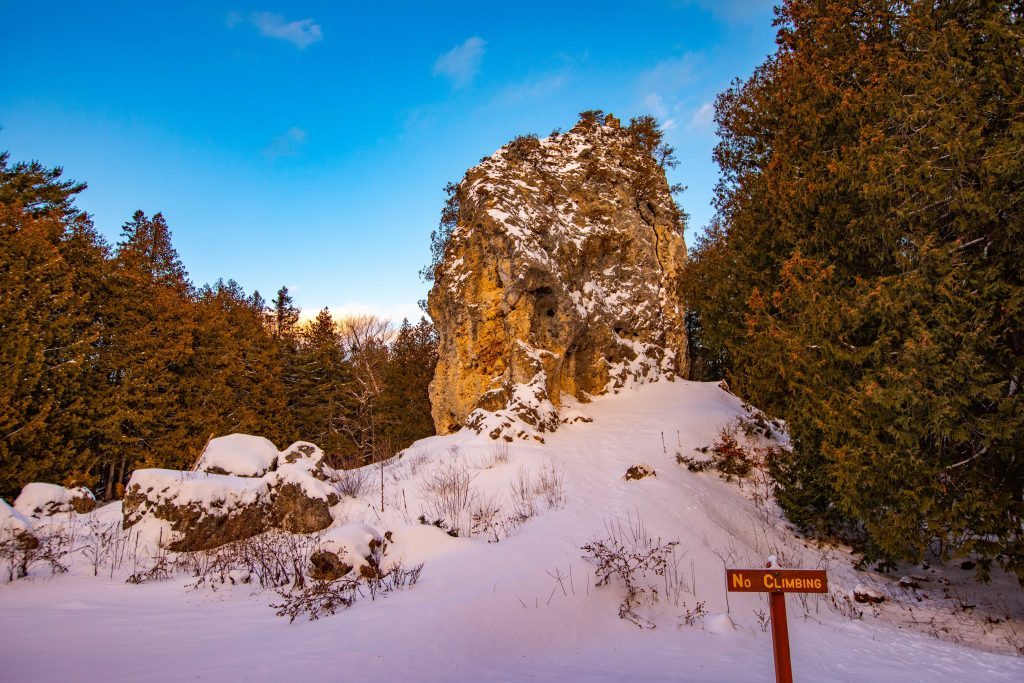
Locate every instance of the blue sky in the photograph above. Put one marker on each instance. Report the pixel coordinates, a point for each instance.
(307, 144)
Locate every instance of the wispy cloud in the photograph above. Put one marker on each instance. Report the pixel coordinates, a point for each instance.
(301, 33)
(663, 88)
(287, 144)
(702, 118)
(669, 76)
(528, 89)
(461, 64)
(731, 11)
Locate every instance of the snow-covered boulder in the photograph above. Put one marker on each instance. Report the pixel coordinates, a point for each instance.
(300, 490)
(242, 455)
(13, 524)
(357, 544)
(202, 510)
(42, 500)
(327, 566)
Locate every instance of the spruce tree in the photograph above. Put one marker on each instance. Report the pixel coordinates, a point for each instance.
(147, 326)
(405, 401)
(864, 278)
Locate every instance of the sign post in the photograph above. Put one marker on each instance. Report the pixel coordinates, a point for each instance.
(778, 582)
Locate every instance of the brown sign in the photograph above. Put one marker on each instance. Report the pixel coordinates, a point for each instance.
(776, 581)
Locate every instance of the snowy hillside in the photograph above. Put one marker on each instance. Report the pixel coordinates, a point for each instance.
(512, 596)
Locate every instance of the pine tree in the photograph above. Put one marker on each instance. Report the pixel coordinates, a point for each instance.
(37, 189)
(405, 401)
(864, 279)
(147, 327)
(235, 373)
(322, 400)
(40, 352)
(50, 258)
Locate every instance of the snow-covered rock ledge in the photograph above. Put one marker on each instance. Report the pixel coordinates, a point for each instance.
(242, 487)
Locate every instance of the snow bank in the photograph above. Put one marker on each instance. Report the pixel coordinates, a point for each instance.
(242, 455)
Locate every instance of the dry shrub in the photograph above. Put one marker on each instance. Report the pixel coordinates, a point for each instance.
(21, 552)
(550, 486)
(448, 495)
(352, 483)
(523, 506)
(272, 560)
(631, 557)
(498, 454)
(324, 598)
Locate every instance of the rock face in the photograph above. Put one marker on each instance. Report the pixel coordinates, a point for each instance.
(559, 280)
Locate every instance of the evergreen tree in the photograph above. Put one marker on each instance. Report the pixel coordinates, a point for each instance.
(41, 351)
(405, 401)
(864, 281)
(235, 373)
(37, 189)
(285, 316)
(147, 327)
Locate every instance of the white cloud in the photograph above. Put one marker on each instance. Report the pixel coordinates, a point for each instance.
(654, 104)
(301, 33)
(668, 77)
(287, 144)
(702, 118)
(461, 64)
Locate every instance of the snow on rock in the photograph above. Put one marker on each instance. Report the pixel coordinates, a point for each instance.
(42, 500)
(201, 510)
(241, 455)
(12, 522)
(355, 543)
(204, 510)
(301, 490)
(559, 279)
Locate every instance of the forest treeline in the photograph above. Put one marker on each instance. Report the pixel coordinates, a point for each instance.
(863, 277)
(111, 359)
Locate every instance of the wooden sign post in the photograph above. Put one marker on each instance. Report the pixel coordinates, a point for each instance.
(778, 582)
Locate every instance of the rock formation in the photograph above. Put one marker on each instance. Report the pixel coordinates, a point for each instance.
(558, 280)
(227, 501)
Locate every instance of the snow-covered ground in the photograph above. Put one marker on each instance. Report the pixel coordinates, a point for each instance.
(524, 608)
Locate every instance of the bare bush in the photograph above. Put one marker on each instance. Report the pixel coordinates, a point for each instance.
(448, 494)
(523, 506)
(352, 483)
(499, 453)
(101, 541)
(486, 519)
(21, 552)
(272, 560)
(692, 617)
(550, 486)
(320, 598)
(324, 598)
(633, 558)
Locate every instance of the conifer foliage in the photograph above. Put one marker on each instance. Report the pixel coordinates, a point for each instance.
(110, 359)
(864, 277)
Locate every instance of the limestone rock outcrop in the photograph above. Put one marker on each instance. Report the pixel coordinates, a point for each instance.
(559, 280)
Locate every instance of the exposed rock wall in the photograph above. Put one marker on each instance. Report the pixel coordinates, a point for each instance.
(559, 281)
